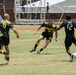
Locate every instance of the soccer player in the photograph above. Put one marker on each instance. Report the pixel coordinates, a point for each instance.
(47, 33)
(69, 26)
(5, 26)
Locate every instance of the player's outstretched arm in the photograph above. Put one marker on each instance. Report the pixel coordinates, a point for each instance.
(15, 31)
(58, 28)
(61, 26)
(38, 30)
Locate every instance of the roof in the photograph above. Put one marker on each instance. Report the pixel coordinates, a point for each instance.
(56, 6)
(68, 6)
(43, 3)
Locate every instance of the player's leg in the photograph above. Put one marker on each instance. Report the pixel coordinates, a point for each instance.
(7, 49)
(68, 43)
(68, 51)
(1, 46)
(37, 42)
(1, 49)
(6, 45)
(44, 46)
(74, 40)
(7, 53)
(48, 40)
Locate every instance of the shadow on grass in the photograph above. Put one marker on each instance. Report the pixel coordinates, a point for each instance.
(61, 61)
(55, 60)
(45, 53)
(65, 61)
(68, 61)
(4, 64)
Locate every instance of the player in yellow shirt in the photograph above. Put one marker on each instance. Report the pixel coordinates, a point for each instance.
(47, 33)
(5, 27)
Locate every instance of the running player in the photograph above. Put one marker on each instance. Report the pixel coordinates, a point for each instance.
(5, 26)
(47, 33)
(69, 26)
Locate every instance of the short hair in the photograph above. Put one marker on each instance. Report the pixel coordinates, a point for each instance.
(68, 17)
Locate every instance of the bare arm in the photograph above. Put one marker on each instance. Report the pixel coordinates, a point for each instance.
(58, 28)
(15, 31)
(38, 30)
(56, 32)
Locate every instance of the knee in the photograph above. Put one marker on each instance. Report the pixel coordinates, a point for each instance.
(39, 39)
(67, 50)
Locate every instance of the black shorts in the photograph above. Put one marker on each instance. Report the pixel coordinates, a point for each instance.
(69, 41)
(5, 40)
(47, 36)
(1, 43)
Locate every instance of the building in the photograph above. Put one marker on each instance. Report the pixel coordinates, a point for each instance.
(9, 6)
(35, 11)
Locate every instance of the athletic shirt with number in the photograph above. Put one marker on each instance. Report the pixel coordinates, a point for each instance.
(5, 27)
(48, 29)
(69, 27)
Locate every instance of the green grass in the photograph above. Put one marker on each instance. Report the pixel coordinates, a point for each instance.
(52, 61)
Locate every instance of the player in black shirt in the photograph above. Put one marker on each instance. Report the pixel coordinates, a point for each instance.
(5, 26)
(47, 33)
(69, 26)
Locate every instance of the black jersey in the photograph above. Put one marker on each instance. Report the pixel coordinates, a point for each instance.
(48, 29)
(5, 27)
(69, 27)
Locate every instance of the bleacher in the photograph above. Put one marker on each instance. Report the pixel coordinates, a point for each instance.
(39, 13)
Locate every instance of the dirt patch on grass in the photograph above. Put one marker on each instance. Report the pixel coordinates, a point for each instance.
(27, 27)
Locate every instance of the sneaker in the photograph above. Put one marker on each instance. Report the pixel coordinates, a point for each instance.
(38, 52)
(71, 58)
(32, 50)
(6, 56)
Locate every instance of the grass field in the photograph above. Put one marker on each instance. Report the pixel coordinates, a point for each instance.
(52, 61)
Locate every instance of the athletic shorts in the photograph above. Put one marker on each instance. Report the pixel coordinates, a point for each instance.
(47, 36)
(1, 43)
(5, 40)
(69, 41)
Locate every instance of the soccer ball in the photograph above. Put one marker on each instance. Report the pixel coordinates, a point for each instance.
(74, 54)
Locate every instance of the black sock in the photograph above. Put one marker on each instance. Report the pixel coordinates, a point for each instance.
(35, 46)
(41, 49)
(3, 53)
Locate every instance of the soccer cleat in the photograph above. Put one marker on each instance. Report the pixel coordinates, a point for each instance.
(32, 50)
(38, 52)
(71, 58)
(6, 56)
